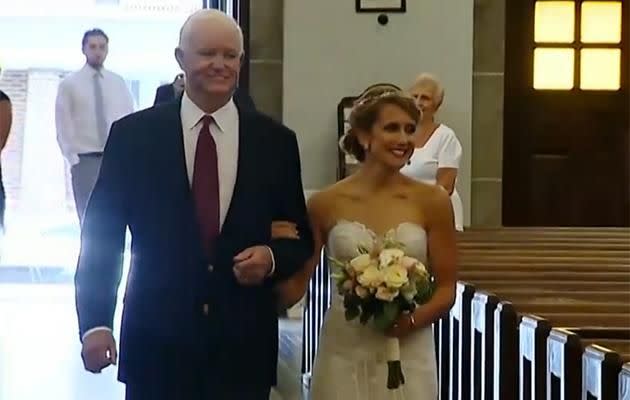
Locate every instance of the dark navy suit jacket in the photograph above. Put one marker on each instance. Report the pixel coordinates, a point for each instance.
(143, 185)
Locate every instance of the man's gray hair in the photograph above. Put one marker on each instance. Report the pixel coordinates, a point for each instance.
(213, 16)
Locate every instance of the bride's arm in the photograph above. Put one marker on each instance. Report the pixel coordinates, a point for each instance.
(443, 260)
(292, 290)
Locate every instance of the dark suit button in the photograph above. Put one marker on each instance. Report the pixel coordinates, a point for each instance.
(206, 310)
(210, 268)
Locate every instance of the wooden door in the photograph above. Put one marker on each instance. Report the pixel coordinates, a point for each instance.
(567, 113)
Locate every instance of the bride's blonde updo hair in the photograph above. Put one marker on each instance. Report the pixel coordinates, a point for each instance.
(366, 110)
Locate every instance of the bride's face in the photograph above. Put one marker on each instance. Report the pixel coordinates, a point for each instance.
(391, 140)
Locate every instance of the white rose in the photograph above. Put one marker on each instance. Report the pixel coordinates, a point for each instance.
(386, 294)
(360, 263)
(390, 256)
(361, 292)
(371, 277)
(420, 270)
(408, 262)
(395, 276)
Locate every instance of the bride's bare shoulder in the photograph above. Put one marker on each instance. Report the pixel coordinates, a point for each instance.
(322, 200)
(430, 196)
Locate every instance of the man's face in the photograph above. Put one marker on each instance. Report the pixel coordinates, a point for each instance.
(95, 50)
(211, 58)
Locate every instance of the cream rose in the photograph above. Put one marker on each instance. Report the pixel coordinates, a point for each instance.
(360, 263)
(386, 294)
(390, 256)
(395, 276)
(408, 262)
(371, 277)
(419, 269)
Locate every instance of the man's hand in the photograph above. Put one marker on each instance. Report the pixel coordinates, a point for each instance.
(99, 351)
(284, 230)
(252, 265)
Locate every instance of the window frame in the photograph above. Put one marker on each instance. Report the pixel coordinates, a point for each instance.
(577, 45)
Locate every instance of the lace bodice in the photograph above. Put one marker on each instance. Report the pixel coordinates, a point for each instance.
(346, 237)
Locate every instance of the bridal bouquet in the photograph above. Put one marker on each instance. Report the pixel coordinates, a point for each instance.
(380, 286)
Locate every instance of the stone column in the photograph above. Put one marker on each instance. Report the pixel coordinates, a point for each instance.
(266, 42)
(487, 128)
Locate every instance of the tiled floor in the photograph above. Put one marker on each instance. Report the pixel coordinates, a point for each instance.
(39, 350)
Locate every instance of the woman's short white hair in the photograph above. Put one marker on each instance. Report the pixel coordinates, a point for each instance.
(426, 79)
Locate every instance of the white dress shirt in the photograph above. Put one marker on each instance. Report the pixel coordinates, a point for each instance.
(225, 131)
(75, 115)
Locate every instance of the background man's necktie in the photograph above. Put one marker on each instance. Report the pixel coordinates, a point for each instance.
(205, 185)
(99, 108)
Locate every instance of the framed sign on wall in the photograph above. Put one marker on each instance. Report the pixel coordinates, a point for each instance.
(380, 6)
(347, 163)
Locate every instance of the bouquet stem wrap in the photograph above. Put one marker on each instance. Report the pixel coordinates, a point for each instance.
(395, 377)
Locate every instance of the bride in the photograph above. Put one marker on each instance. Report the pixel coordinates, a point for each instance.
(376, 201)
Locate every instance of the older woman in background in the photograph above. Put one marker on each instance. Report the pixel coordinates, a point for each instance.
(438, 151)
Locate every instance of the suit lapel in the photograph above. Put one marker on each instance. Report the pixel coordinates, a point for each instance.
(174, 147)
(248, 147)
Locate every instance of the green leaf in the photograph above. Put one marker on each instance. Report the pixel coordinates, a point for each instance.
(368, 309)
(389, 315)
(335, 263)
(351, 313)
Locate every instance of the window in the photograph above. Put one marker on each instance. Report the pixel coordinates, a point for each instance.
(577, 45)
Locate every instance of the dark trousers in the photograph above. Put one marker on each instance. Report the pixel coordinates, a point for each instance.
(161, 390)
(173, 374)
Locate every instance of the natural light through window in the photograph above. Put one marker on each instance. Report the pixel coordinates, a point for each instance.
(553, 68)
(601, 22)
(554, 22)
(600, 69)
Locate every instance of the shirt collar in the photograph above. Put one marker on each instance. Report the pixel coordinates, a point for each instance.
(92, 71)
(191, 114)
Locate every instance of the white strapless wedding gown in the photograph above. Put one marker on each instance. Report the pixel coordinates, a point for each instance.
(350, 361)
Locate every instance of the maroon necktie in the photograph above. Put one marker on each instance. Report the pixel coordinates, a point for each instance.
(205, 185)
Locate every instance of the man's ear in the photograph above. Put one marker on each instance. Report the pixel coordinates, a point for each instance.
(179, 57)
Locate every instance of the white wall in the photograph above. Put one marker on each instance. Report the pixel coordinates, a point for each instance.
(331, 52)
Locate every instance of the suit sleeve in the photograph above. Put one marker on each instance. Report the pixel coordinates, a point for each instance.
(290, 254)
(99, 268)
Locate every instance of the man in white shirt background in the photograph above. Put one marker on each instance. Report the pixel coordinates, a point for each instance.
(88, 102)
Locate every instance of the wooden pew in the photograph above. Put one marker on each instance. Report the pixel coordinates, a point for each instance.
(529, 269)
(459, 351)
(563, 365)
(564, 361)
(505, 367)
(600, 373)
(533, 330)
(482, 345)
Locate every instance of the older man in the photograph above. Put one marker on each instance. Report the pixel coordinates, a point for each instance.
(198, 182)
